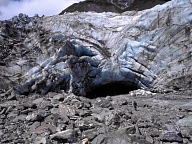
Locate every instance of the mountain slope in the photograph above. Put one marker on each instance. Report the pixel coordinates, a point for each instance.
(118, 6)
(86, 6)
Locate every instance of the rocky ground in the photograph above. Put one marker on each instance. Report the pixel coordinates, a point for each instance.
(140, 117)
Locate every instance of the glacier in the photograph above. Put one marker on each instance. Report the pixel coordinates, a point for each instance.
(80, 51)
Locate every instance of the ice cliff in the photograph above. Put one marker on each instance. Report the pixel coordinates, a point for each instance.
(78, 52)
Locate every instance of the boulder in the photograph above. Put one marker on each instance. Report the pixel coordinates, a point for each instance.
(171, 137)
(65, 136)
(187, 121)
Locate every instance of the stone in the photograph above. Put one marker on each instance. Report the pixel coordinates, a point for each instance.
(1, 133)
(108, 117)
(129, 129)
(51, 94)
(84, 141)
(122, 102)
(114, 138)
(185, 107)
(172, 128)
(187, 121)
(37, 101)
(29, 105)
(12, 114)
(84, 124)
(149, 139)
(71, 125)
(9, 110)
(12, 97)
(84, 113)
(59, 97)
(67, 110)
(104, 103)
(186, 132)
(171, 137)
(62, 114)
(44, 128)
(61, 127)
(185, 141)
(40, 140)
(90, 134)
(46, 105)
(35, 117)
(34, 126)
(3, 111)
(68, 135)
(99, 139)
